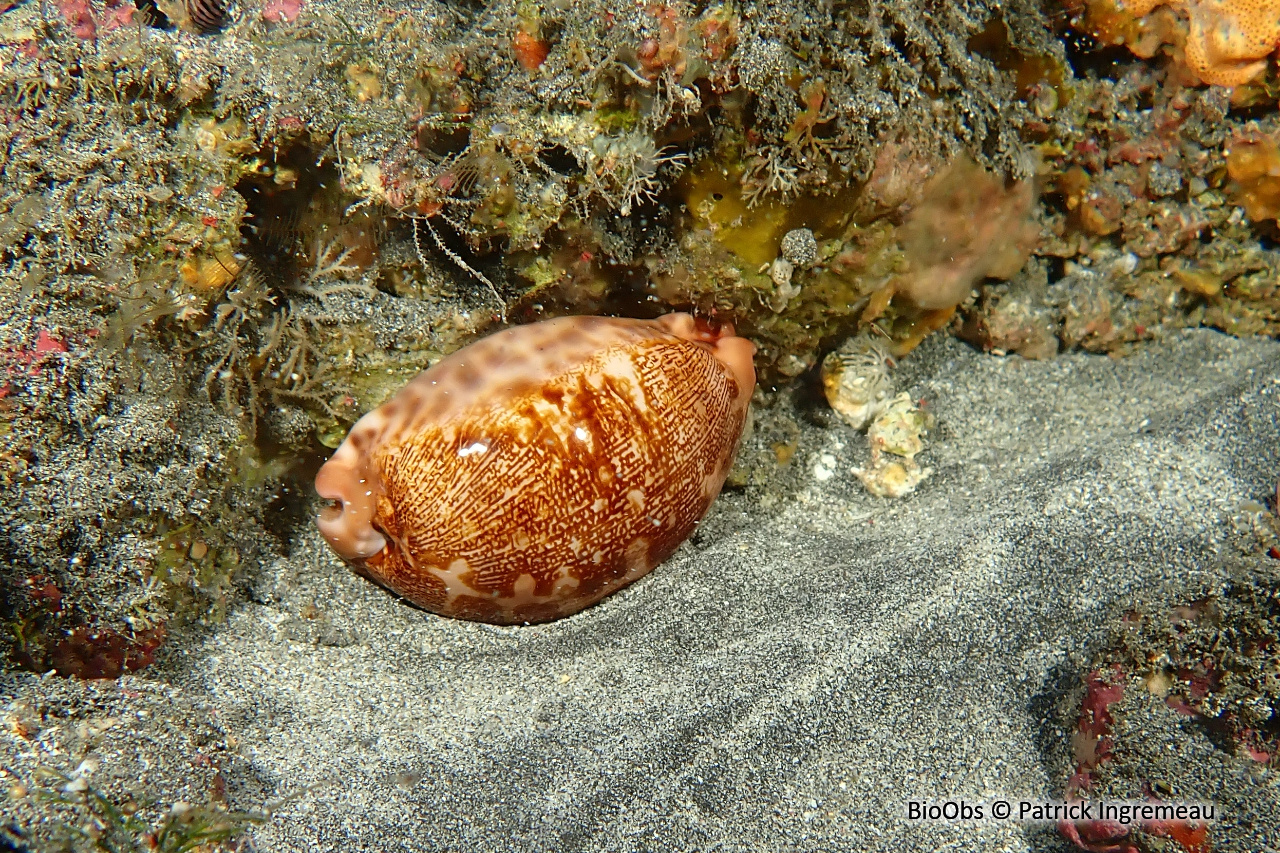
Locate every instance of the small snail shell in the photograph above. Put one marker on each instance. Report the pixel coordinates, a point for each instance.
(536, 471)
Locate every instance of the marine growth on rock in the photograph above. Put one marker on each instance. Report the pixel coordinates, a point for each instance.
(1227, 41)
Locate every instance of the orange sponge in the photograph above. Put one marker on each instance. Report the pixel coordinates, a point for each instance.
(1228, 41)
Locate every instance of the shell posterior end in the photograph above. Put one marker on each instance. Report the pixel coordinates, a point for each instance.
(735, 353)
(738, 354)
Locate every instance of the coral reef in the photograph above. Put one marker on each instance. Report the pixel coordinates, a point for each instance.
(229, 229)
(862, 267)
(549, 181)
(307, 249)
(211, 269)
(1155, 196)
(108, 459)
(215, 269)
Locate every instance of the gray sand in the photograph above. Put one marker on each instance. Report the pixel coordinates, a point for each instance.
(814, 659)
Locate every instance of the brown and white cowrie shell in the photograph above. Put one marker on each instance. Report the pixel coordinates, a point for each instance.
(537, 470)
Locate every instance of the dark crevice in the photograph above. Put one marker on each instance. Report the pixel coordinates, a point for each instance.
(1090, 59)
(151, 16)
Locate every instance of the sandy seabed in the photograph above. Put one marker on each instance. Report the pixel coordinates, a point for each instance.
(812, 662)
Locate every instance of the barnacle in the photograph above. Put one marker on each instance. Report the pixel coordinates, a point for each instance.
(207, 15)
(856, 380)
(203, 17)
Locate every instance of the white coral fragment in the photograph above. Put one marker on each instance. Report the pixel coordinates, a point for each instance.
(896, 436)
(900, 428)
(894, 479)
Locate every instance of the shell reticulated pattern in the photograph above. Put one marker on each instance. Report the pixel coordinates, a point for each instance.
(535, 472)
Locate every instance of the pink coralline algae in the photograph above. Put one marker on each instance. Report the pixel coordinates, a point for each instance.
(1092, 744)
(29, 361)
(79, 17)
(86, 23)
(282, 11)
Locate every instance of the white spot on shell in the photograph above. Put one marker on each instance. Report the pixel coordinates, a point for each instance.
(451, 577)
